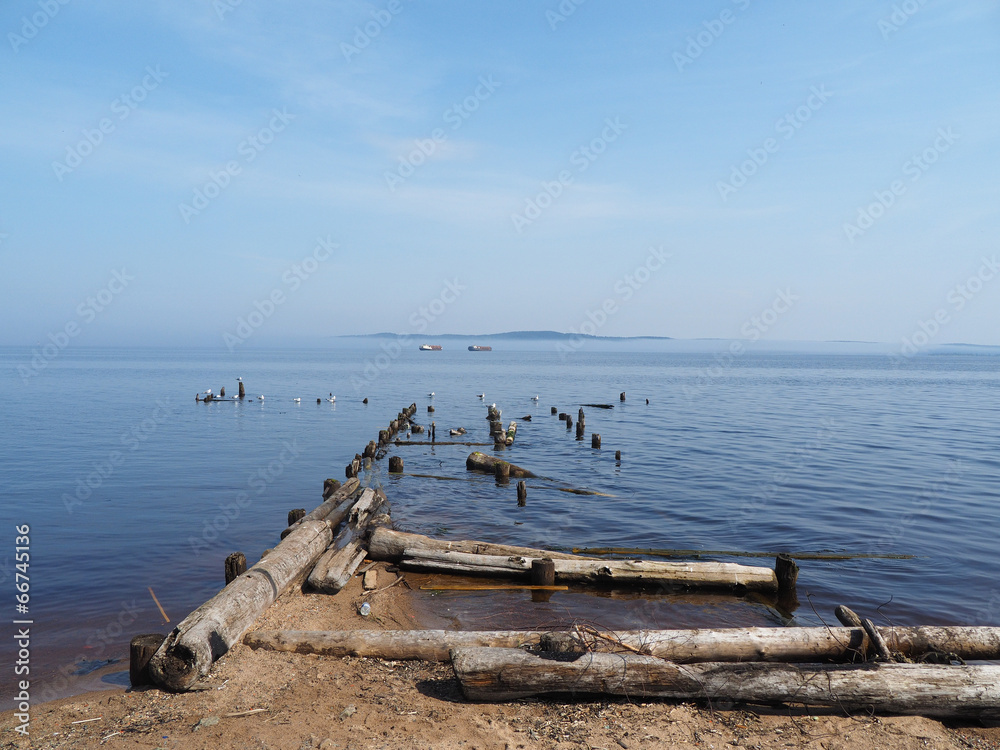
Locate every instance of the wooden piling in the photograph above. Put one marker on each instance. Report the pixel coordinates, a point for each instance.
(329, 487)
(543, 572)
(296, 515)
(595, 442)
(787, 572)
(141, 648)
(569, 421)
(554, 410)
(430, 408)
(222, 392)
(433, 438)
(580, 429)
(236, 565)
(395, 464)
(622, 396)
(522, 493)
(618, 455)
(364, 400)
(501, 470)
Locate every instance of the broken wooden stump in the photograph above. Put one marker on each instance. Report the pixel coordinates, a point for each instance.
(395, 464)
(595, 440)
(141, 649)
(522, 493)
(236, 565)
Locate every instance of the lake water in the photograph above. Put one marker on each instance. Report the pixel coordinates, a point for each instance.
(131, 488)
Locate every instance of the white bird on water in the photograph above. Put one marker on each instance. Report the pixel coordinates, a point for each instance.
(534, 398)
(431, 394)
(296, 399)
(240, 379)
(481, 395)
(332, 398)
(260, 397)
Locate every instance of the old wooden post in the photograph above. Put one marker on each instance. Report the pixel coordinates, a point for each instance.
(222, 392)
(329, 487)
(141, 648)
(618, 455)
(433, 430)
(580, 430)
(395, 464)
(569, 421)
(501, 470)
(595, 440)
(242, 391)
(236, 564)
(622, 396)
(543, 572)
(554, 410)
(522, 493)
(295, 514)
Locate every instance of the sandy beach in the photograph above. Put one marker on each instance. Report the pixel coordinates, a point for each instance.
(285, 701)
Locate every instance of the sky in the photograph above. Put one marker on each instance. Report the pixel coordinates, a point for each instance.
(238, 173)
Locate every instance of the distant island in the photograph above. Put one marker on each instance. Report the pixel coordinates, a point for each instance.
(510, 335)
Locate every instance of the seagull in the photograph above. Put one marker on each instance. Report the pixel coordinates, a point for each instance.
(534, 398)
(240, 379)
(332, 398)
(260, 397)
(431, 394)
(481, 395)
(296, 399)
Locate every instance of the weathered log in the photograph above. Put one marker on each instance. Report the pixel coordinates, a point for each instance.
(296, 514)
(847, 616)
(335, 507)
(503, 674)
(878, 643)
(187, 654)
(818, 644)
(511, 433)
(481, 462)
(602, 572)
(386, 544)
(337, 565)
(141, 649)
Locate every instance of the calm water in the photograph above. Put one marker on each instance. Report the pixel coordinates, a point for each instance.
(129, 485)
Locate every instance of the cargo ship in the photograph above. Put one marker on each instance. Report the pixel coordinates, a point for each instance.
(430, 347)
(480, 348)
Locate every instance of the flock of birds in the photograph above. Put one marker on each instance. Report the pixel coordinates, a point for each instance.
(331, 398)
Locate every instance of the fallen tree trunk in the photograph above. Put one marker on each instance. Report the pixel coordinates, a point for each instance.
(334, 507)
(481, 462)
(680, 646)
(386, 544)
(503, 674)
(187, 654)
(336, 566)
(605, 572)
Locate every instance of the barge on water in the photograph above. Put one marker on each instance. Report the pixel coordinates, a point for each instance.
(480, 348)
(430, 347)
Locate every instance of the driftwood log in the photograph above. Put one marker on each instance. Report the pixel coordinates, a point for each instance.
(188, 652)
(682, 646)
(481, 462)
(503, 674)
(604, 572)
(386, 544)
(334, 506)
(337, 565)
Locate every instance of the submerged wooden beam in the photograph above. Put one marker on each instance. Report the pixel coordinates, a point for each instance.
(503, 674)
(604, 572)
(816, 644)
(481, 462)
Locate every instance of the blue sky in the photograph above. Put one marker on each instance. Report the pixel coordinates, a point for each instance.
(431, 167)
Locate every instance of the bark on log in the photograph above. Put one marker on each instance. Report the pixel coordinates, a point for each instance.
(337, 565)
(502, 674)
(187, 654)
(386, 544)
(481, 462)
(604, 572)
(681, 646)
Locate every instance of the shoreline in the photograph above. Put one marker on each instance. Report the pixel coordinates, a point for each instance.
(287, 700)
